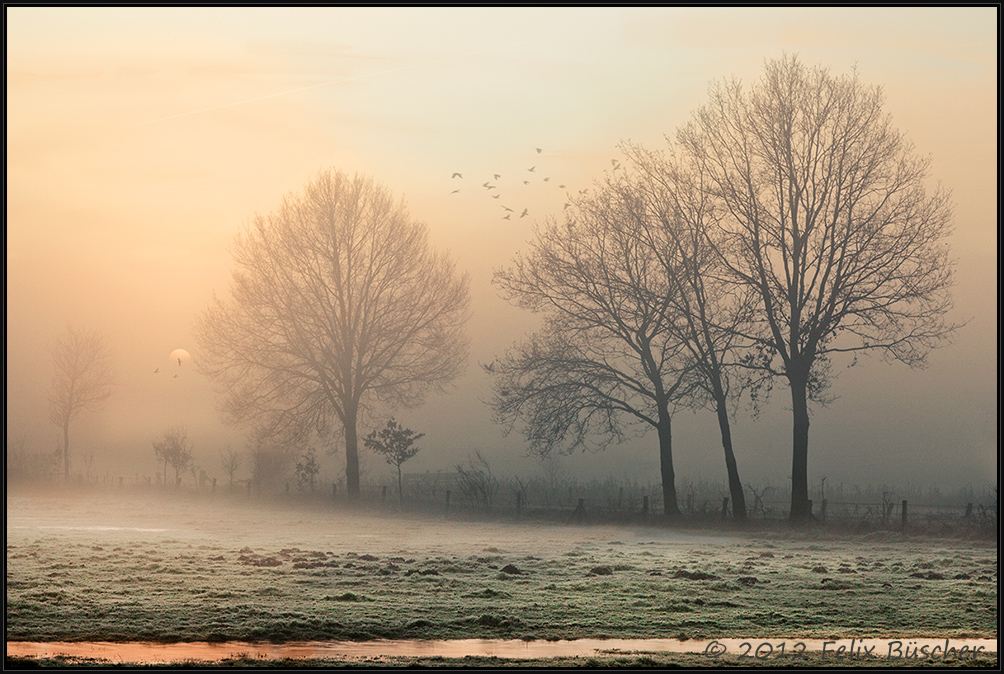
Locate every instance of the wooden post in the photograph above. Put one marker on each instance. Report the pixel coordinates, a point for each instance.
(903, 520)
(822, 512)
(334, 490)
(725, 508)
(644, 505)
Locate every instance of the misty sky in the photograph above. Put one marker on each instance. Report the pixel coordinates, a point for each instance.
(140, 140)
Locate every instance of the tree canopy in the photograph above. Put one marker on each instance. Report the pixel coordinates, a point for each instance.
(337, 301)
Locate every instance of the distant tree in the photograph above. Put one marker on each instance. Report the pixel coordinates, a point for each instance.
(231, 461)
(336, 301)
(607, 356)
(175, 450)
(271, 458)
(83, 379)
(396, 445)
(823, 213)
(307, 469)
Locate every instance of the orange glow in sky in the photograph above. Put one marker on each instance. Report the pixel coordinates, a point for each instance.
(140, 140)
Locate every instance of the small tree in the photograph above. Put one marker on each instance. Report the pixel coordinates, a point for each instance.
(231, 461)
(396, 444)
(307, 469)
(175, 450)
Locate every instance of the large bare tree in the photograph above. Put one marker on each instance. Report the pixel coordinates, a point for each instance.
(675, 214)
(607, 355)
(337, 301)
(82, 380)
(823, 212)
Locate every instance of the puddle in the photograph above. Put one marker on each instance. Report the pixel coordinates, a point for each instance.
(155, 653)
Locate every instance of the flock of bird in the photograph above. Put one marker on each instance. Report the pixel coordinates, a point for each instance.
(492, 184)
(488, 186)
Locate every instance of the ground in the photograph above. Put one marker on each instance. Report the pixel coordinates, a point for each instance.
(131, 567)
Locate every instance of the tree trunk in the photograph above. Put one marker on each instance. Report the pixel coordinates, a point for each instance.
(735, 485)
(66, 451)
(799, 449)
(670, 506)
(352, 452)
(400, 490)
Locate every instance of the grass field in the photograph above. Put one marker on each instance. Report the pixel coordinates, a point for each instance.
(136, 568)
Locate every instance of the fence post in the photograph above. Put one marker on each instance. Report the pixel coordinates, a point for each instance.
(334, 490)
(822, 511)
(644, 505)
(904, 514)
(725, 508)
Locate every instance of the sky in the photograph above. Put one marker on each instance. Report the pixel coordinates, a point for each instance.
(141, 140)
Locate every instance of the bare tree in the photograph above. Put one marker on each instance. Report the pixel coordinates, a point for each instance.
(307, 469)
(823, 213)
(607, 355)
(336, 301)
(174, 448)
(477, 485)
(396, 444)
(83, 379)
(231, 461)
(675, 216)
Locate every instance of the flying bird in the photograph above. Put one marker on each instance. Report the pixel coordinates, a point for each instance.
(525, 211)
(561, 187)
(496, 196)
(526, 182)
(175, 376)
(566, 205)
(456, 175)
(179, 362)
(539, 150)
(532, 168)
(156, 371)
(546, 179)
(454, 191)
(508, 209)
(497, 176)
(507, 216)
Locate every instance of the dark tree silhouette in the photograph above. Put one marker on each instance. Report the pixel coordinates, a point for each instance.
(675, 215)
(83, 379)
(337, 301)
(822, 211)
(607, 354)
(396, 445)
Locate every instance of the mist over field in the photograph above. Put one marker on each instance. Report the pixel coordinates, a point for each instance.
(142, 140)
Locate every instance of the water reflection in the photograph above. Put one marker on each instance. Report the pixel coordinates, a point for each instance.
(154, 653)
